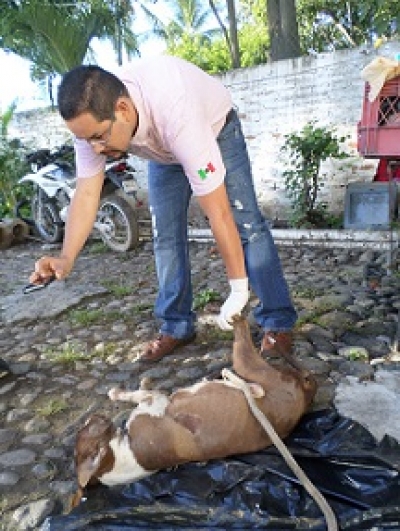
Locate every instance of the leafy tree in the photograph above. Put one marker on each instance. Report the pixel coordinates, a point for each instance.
(61, 39)
(233, 42)
(231, 36)
(61, 32)
(253, 34)
(213, 57)
(296, 27)
(208, 47)
(254, 45)
(336, 24)
(5, 120)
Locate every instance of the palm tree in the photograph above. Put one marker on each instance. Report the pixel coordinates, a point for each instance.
(189, 19)
(118, 20)
(56, 37)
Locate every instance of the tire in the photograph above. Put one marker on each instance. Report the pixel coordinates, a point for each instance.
(121, 231)
(19, 215)
(47, 221)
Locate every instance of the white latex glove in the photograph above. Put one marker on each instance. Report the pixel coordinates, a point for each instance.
(235, 303)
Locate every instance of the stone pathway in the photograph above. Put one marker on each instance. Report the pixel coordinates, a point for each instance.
(69, 343)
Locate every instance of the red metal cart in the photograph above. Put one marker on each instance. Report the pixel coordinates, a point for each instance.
(379, 127)
(374, 205)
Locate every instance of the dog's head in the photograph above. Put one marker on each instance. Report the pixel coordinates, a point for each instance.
(93, 455)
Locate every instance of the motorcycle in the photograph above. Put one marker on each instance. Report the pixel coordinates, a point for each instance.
(54, 180)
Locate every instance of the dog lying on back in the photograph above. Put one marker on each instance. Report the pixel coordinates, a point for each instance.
(208, 420)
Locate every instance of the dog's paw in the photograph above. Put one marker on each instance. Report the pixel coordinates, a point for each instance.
(113, 394)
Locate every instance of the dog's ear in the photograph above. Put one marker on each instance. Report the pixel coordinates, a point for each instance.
(96, 426)
(75, 499)
(87, 468)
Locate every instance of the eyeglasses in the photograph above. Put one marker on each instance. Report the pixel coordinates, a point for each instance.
(104, 138)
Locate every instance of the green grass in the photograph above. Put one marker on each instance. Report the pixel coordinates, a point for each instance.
(3, 505)
(52, 407)
(106, 350)
(214, 334)
(142, 307)
(68, 353)
(313, 317)
(86, 317)
(205, 296)
(97, 248)
(356, 354)
(307, 292)
(119, 290)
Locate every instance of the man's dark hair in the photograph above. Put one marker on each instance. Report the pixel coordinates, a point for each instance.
(89, 89)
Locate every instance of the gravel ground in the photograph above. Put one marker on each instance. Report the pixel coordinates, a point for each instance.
(68, 344)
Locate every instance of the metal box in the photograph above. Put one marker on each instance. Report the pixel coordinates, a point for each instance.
(370, 205)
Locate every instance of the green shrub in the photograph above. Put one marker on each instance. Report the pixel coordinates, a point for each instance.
(12, 167)
(305, 151)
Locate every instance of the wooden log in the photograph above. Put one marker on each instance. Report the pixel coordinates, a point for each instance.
(20, 230)
(12, 230)
(6, 235)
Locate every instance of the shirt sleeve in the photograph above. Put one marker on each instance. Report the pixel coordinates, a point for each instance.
(193, 143)
(88, 162)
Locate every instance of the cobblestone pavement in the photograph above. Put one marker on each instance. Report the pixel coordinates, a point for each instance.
(69, 343)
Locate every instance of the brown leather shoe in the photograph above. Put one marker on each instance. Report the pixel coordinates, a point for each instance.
(280, 344)
(277, 343)
(164, 345)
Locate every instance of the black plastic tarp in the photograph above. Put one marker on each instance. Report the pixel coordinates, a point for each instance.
(359, 478)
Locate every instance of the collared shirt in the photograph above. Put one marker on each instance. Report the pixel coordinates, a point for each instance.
(181, 111)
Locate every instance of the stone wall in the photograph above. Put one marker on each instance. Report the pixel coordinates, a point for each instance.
(40, 128)
(273, 100)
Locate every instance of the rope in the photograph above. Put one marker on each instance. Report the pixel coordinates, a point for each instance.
(319, 499)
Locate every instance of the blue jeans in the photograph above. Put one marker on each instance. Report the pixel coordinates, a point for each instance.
(169, 196)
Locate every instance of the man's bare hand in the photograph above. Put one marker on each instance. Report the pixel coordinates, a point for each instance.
(50, 266)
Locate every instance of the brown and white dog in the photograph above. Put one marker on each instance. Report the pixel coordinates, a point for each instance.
(208, 420)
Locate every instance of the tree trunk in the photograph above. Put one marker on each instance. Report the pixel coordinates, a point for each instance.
(283, 29)
(231, 37)
(118, 31)
(233, 33)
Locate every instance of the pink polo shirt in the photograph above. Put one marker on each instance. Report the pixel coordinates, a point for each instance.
(181, 112)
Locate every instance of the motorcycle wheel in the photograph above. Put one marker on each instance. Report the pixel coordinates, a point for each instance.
(47, 221)
(120, 230)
